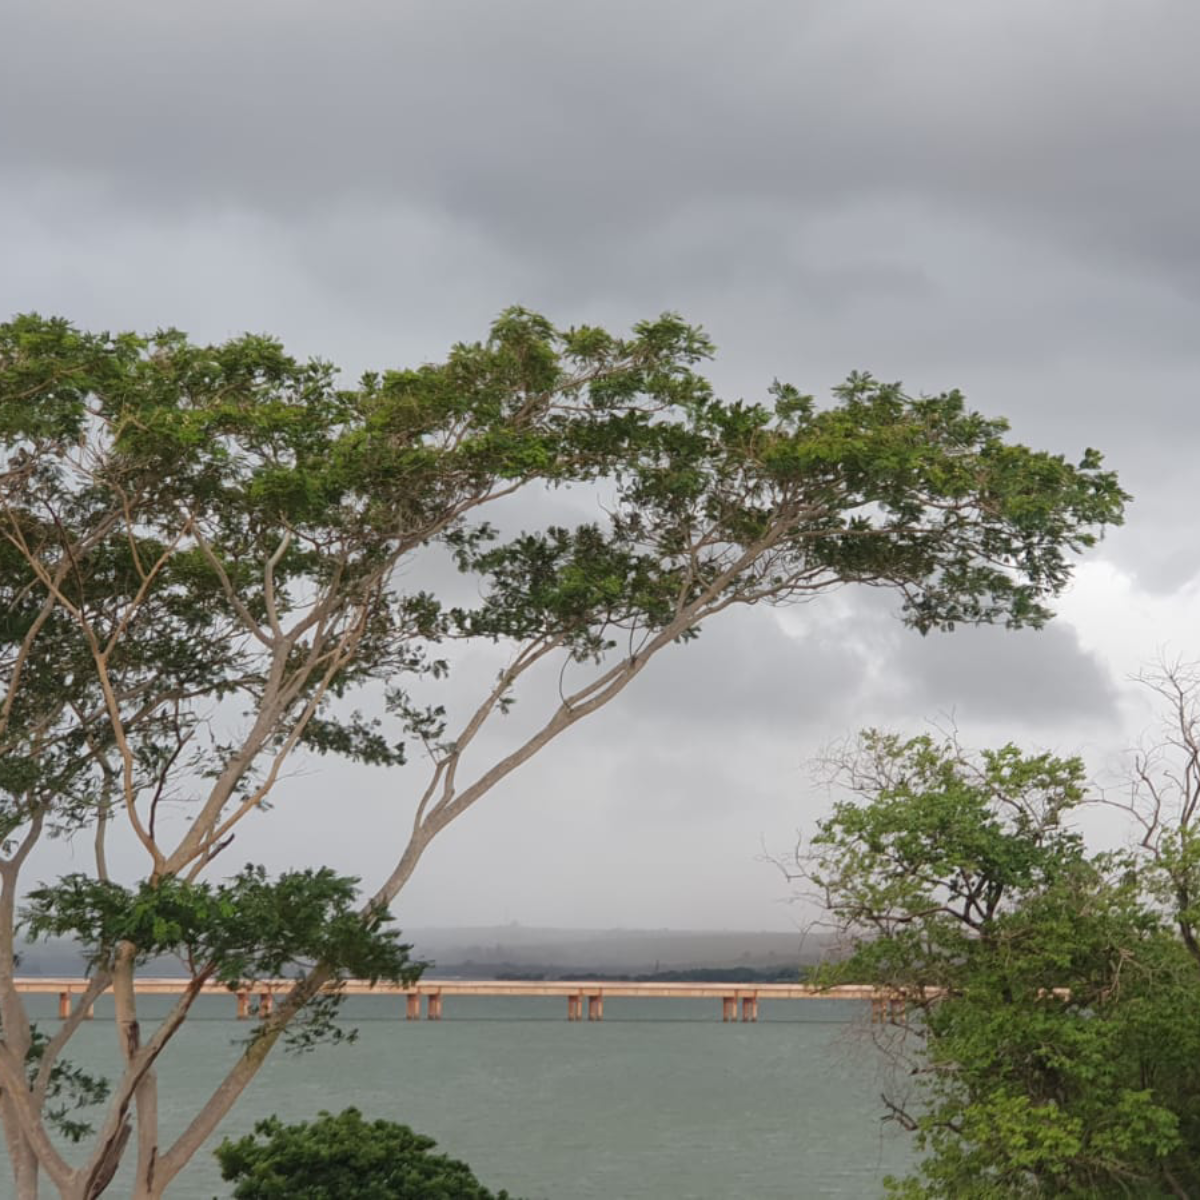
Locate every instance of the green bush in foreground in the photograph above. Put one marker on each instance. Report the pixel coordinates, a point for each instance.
(344, 1157)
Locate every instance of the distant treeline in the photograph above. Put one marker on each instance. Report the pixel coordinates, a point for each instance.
(787, 973)
(63, 958)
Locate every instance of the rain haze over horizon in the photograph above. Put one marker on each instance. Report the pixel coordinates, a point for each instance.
(998, 197)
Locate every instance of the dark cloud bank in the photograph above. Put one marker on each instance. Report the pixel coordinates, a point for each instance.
(997, 196)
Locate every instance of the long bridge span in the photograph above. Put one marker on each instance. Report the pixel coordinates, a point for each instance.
(258, 997)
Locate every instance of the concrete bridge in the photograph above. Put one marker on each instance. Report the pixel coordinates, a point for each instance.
(737, 1000)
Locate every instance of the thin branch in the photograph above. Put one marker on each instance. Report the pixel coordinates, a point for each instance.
(269, 582)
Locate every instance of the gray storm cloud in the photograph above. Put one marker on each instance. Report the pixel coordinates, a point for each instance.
(998, 196)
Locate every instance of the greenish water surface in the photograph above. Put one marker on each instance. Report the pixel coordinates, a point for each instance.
(660, 1101)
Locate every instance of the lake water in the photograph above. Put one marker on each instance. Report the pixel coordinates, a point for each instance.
(659, 1101)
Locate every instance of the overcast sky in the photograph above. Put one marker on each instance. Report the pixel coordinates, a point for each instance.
(996, 195)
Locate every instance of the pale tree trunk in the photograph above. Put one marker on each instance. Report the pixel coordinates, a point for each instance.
(145, 1096)
(18, 1035)
(22, 1118)
(22, 1161)
(89, 1185)
(146, 1101)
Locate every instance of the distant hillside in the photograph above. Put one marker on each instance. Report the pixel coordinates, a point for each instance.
(59, 957)
(526, 951)
(784, 973)
(625, 952)
(54, 957)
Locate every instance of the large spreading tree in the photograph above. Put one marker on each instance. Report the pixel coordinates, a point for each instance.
(207, 552)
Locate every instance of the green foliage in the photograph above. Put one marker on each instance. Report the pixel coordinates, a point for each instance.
(344, 1157)
(1054, 1024)
(246, 928)
(249, 927)
(69, 1089)
(207, 555)
(205, 463)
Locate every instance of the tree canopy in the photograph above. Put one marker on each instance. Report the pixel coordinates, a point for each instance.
(344, 1157)
(205, 556)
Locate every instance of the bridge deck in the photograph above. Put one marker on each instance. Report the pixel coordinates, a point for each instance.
(480, 987)
(167, 987)
(736, 998)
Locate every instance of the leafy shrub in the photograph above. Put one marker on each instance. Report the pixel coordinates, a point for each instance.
(344, 1157)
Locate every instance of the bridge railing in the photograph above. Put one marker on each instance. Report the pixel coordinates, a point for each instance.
(257, 997)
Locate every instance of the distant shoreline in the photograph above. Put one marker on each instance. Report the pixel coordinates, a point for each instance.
(529, 952)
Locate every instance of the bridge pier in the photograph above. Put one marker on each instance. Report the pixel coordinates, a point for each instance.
(433, 1008)
(266, 1003)
(574, 1007)
(412, 1006)
(64, 1007)
(243, 1005)
(596, 1007)
(749, 1008)
(888, 1008)
(728, 1008)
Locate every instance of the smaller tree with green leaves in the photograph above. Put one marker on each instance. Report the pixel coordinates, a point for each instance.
(344, 1157)
(1051, 1039)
